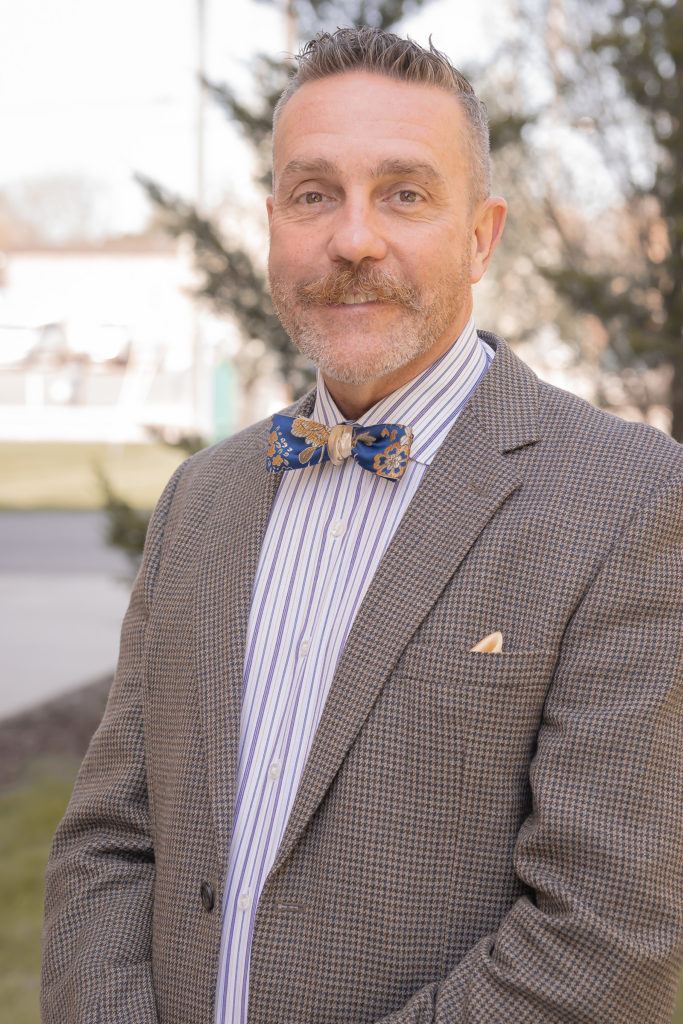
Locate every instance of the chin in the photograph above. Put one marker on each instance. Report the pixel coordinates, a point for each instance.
(359, 367)
(354, 375)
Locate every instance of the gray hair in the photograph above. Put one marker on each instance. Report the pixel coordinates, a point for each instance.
(383, 53)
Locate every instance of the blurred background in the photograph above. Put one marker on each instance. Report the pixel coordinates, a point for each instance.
(135, 324)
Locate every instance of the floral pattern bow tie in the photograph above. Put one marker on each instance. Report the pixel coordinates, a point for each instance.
(297, 442)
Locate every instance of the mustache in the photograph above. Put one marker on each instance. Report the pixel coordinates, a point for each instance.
(334, 288)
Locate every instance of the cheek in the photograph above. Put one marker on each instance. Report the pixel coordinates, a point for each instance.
(430, 255)
(292, 255)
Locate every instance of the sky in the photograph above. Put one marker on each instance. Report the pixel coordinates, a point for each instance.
(98, 90)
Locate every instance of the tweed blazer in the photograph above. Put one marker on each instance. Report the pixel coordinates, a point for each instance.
(476, 837)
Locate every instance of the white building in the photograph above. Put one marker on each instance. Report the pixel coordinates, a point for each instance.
(102, 344)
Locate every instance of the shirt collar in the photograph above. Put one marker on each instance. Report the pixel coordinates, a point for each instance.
(430, 403)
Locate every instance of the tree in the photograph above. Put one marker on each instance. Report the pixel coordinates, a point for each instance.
(56, 209)
(231, 277)
(610, 76)
(644, 45)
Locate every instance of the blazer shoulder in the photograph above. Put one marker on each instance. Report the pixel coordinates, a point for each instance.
(596, 438)
(574, 439)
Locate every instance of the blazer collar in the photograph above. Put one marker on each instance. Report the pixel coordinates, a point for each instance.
(506, 402)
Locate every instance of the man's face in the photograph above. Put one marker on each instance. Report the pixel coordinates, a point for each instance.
(373, 240)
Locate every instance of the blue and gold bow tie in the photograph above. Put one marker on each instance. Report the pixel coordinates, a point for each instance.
(297, 442)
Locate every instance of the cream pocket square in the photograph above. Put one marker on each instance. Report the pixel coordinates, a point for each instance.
(491, 644)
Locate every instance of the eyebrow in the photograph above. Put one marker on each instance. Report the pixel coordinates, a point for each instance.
(407, 169)
(309, 167)
(386, 168)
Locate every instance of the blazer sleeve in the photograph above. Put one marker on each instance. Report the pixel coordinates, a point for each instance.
(96, 962)
(600, 938)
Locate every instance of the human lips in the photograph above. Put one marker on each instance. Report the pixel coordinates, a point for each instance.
(358, 299)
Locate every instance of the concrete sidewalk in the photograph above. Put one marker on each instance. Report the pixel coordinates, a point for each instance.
(63, 594)
(57, 633)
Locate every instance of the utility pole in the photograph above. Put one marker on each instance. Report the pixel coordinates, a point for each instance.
(201, 100)
(200, 387)
(290, 26)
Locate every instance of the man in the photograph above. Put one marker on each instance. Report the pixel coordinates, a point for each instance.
(395, 734)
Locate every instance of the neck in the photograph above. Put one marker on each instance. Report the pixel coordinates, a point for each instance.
(353, 400)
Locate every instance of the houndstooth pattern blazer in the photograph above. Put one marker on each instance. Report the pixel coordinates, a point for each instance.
(476, 837)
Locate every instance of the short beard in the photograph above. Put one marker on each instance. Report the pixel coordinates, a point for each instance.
(422, 325)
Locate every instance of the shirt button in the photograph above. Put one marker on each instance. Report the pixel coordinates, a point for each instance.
(274, 770)
(243, 901)
(337, 528)
(304, 648)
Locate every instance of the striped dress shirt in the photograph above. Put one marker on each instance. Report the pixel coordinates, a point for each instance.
(328, 529)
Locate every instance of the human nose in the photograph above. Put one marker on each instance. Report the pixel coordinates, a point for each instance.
(356, 234)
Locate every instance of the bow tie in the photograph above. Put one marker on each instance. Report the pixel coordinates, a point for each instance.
(382, 449)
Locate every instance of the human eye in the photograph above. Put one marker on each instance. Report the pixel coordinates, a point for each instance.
(312, 198)
(405, 197)
(408, 196)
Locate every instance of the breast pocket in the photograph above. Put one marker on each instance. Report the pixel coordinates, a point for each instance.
(490, 704)
(486, 710)
(455, 669)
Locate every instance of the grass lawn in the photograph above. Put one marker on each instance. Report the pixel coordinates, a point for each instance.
(63, 475)
(29, 814)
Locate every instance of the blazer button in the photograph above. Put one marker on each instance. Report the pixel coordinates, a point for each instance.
(207, 895)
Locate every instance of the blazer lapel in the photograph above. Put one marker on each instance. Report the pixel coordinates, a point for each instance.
(468, 481)
(225, 580)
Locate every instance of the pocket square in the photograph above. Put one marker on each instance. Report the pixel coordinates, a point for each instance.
(491, 644)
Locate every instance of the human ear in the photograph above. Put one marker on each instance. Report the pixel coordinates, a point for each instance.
(488, 221)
